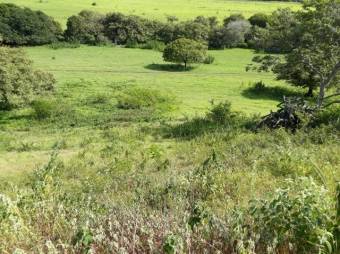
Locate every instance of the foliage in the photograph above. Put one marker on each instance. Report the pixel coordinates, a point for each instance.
(19, 82)
(313, 58)
(299, 217)
(22, 26)
(86, 27)
(259, 19)
(62, 45)
(141, 98)
(220, 113)
(185, 51)
(209, 59)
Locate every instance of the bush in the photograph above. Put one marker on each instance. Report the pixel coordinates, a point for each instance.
(154, 45)
(22, 26)
(139, 98)
(220, 113)
(52, 109)
(209, 59)
(298, 217)
(19, 82)
(62, 45)
(43, 108)
(132, 44)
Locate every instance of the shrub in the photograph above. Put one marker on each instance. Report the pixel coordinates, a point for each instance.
(220, 113)
(298, 217)
(52, 109)
(22, 26)
(209, 59)
(43, 108)
(154, 45)
(19, 82)
(139, 98)
(131, 44)
(62, 45)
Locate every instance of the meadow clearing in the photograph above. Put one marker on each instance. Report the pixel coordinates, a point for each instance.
(89, 71)
(184, 10)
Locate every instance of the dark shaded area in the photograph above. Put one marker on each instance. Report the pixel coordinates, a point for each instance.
(269, 93)
(6, 117)
(168, 67)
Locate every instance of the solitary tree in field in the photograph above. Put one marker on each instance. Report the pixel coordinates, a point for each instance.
(185, 51)
(19, 82)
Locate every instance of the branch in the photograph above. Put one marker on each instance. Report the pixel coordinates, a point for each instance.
(333, 102)
(332, 95)
(333, 73)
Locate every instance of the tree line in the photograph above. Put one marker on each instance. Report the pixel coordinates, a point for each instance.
(22, 26)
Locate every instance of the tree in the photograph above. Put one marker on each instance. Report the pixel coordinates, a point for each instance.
(233, 18)
(86, 27)
(315, 61)
(281, 33)
(122, 29)
(22, 26)
(259, 19)
(185, 51)
(19, 82)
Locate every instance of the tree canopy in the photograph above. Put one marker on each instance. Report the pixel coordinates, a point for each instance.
(314, 61)
(22, 26)
(185, 51)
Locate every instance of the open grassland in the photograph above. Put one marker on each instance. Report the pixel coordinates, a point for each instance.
(183, 9)
(87, 70)
(86, 73)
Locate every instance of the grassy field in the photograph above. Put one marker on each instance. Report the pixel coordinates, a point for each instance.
(183, 9)
(225, 79)
(85, 72)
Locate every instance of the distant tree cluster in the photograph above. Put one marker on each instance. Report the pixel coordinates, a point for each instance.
(273, 33)
(22, 26)
(92, 28)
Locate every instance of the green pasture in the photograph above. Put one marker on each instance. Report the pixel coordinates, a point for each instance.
(85, 72)
(183, 9)
(100, 69)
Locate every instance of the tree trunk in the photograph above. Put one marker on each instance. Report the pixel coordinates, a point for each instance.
(185, 65)
(310, 92)
(326, 82)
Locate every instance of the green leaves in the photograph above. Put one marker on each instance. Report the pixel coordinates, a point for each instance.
(185, 51)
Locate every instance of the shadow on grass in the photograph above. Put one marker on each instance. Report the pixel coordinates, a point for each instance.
(7, 117)
(168, 67)
(269, 93)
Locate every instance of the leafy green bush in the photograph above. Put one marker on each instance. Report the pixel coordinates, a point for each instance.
(19, 82)
(139, 98)
(52, 109)
(220, 113)
(154, 45)
(298, 217)
(62, 45)
(132, 44)
(209, 59)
